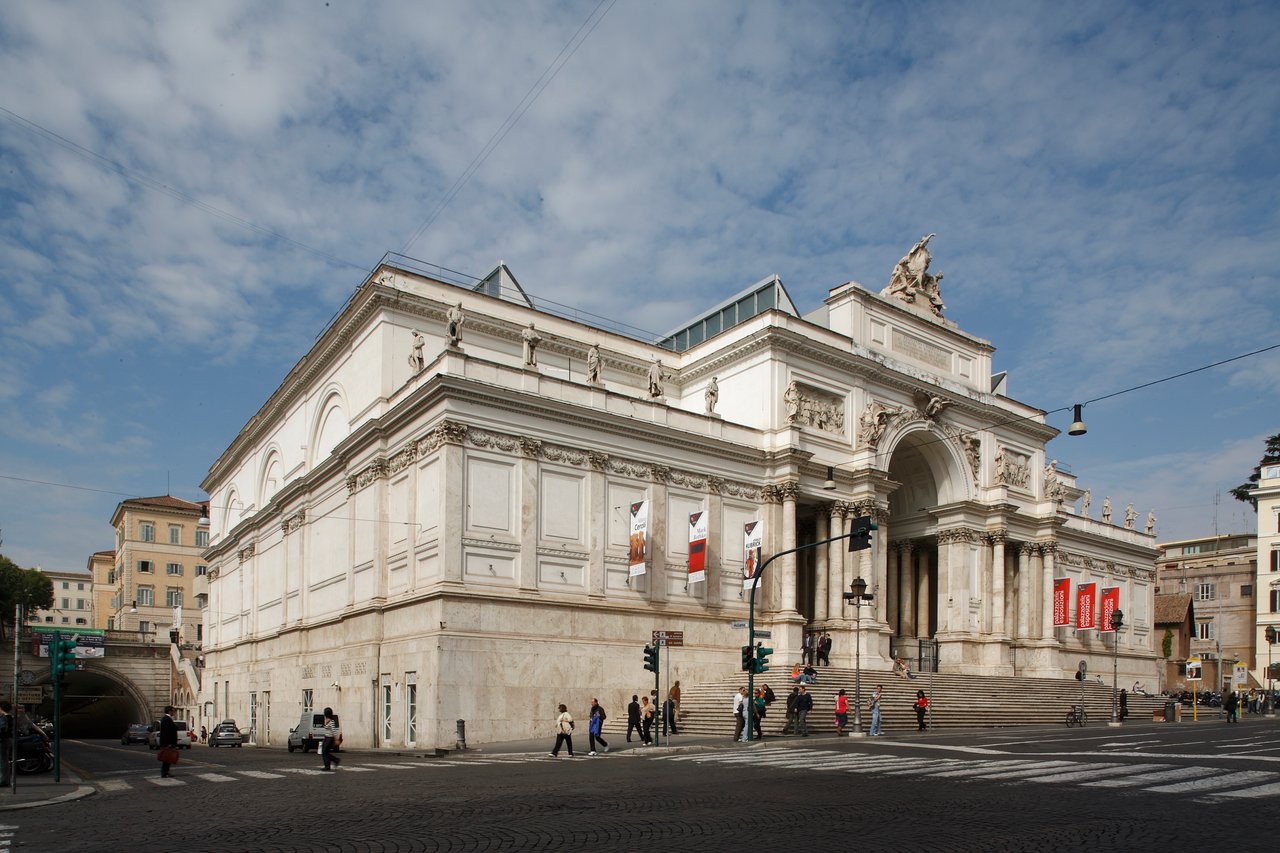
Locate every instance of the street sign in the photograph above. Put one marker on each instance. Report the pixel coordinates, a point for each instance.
(738, 623)
(1193, 668)
(764, 635)
(669, 638)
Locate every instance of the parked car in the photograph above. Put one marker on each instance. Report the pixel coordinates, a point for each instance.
(308, 733)
(225, 734)
(184, 735)
(136, 733)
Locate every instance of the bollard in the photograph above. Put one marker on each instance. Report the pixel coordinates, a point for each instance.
(462, 734)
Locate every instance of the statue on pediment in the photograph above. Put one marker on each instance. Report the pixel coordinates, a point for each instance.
(912, 282)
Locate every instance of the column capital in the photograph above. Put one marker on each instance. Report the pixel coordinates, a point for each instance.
(1026, 549)
(789, 490)
(997, 536)
(1048, 547)
(770, 494)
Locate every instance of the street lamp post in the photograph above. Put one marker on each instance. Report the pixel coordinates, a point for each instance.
(1117, 620)
(1270, 635)
(857, 594)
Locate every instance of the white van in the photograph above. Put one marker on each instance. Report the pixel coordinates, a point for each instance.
(308, 734)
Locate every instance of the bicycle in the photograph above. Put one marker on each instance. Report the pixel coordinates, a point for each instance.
(1077, 716)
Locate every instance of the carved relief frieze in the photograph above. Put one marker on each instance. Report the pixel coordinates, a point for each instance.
(660, 473)
(566, 455)
(293, 522)
(1049, 546)
(956, 535)
(628, 469)
(813, 408)
(997, 536)
(558, 552)
(697, 482)
(599, 461)
(403, 459)
(771, 494)
(530, 448)
(247, 552)
(715, 485)
(875, 421)
(1012, 468)
(494, 441)
(742, 490)
(375, 470)
(451, 432)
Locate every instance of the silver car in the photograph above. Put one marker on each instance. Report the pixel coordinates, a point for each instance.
(226, 734)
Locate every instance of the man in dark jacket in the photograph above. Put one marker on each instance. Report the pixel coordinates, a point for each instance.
(633, 717)
(168, 737)
(790, 727)
(804, 704)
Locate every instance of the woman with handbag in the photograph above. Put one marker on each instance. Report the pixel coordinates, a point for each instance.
(168, 742)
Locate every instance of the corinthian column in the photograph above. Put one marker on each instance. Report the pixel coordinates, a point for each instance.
(822, 521)
(1025, 591)
(996, 538)
(907, 628)
(1048, 549)
(891, 589)
(835, 563)
(790, 491)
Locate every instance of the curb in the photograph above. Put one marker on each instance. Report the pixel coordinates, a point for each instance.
(78, 794)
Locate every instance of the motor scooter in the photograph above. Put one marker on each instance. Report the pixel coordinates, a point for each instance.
(34, 755)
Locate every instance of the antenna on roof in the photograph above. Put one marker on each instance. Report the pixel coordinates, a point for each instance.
(1217, 499)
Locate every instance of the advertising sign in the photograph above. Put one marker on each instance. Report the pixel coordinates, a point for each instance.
(1061, 602)
(90, 642)
(639, 537)
(697, 547)
(1193, 668)
(1110, 604)
(1084, 606)
(753, 534)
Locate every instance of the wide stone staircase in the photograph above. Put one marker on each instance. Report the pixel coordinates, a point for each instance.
(956, 701)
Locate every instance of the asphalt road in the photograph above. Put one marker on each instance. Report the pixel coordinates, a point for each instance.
(1133, 789)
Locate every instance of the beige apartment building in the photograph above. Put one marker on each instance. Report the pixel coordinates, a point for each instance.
(151, 585)
(102, 566)
(1219, 573)
(72, 601)
(1267, 558)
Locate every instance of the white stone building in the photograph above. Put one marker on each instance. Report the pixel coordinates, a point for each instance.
(1267, 494)
(416, 532)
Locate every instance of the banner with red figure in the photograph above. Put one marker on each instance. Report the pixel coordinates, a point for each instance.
(1084, 606)
(697, 547)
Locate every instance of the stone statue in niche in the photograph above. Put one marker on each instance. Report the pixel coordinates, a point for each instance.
(655, 379)
(453, 325)
(712, 395)
(1106, 509)
(531, 340)
(1151, 523)
(874, 422)
(593, 364)
(1130, 517)
(912, 282)
(791, 399)
(973, 452)
(1085, 501)
(417, 360)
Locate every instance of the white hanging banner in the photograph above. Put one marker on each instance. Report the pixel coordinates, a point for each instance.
(753, 533)
(639, 537)
(697, 547)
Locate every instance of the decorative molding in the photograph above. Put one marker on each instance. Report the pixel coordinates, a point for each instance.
(956, 535)
(247, 552)
(770, 494)
(491, 544)
(742, 490)
(293, 522)
(1047, 547)
(789, 490)
(598, 461)
(530, 448)
(567, 455)
(375, 470)
(495, 441)
(997, 536)
(660, 473)
(628, 469)
(808, 406)
(403, 459)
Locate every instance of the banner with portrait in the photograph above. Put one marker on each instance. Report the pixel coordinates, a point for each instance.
(753, 534)
(639, 537)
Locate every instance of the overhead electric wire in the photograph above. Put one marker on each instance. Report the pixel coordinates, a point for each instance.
(513, 118)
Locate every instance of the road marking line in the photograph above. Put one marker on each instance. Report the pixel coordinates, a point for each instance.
(1091, 771)
(1133, 781)
(972, 770)
(389, 766)
(1030, 770)
(358, 769)
(302, 771)
(1255, 791)
(914, 768)
(114, 785)
(1230, 780)
(260, 774)
(165, 781)
(216, 777)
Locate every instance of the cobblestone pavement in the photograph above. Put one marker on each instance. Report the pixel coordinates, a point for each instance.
(814, 796)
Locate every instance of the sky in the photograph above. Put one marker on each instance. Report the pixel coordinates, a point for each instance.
(189, 192)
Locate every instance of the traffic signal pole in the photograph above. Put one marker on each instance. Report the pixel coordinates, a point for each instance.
(749, 708)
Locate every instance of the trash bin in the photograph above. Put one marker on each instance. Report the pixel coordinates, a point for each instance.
(1170, 711)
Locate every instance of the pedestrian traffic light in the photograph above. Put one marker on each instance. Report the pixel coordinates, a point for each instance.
(748, 659)
(651, 659)
(762, 657)
(61, 656)
(860, 533)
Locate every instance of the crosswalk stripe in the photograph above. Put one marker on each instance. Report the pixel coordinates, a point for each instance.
(164, 781)
(1088, 773)
(216, 777)
(1135, 781)
(357, 769)
(260, 774)
(114, 785)
(389, 766)
(301, 771)
(1035, 769)
(1255, 791)
(1230, 780)
(981, 767)
(914, 769)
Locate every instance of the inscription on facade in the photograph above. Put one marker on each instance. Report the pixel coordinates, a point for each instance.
(921, 350)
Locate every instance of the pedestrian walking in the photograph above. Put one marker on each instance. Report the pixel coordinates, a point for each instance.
(168, 742)
(804, 704)
(595, 725)
(1231, 704)
(824, 650)
(564, 732)
(921, 706)
(806, 648)
(757, 713)
(842, 713)
(1124, 705)
(789, 728)
(739, 713)
(674, 694)
(647, 713)
(332, 740)
(633, 718)
(8, 728)
(875, 711)
(669, 716)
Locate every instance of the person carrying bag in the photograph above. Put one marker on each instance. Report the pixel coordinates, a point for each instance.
(168, 741)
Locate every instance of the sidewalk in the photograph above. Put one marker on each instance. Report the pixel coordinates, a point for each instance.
(39, 789)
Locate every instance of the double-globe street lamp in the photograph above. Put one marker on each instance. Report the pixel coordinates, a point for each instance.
(858, 595)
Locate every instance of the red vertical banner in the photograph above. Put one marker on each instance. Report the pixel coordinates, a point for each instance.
(1061, 602)
(1110, 603)
(697, 547)
(1084, 606)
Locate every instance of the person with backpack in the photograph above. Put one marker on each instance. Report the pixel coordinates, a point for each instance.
(594, 727)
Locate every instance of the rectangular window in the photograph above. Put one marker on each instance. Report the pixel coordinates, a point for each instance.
(201, 570)
(307, 701)
(1206, 592)
(79, 587)
(79, 604)
(1190, 549)
(66, 605)
(147, 531)
(144, 627)
(173, 597)
(66, 585)
(386, 708)
(1275, 561)
(1204, 630)
(111, 576)
(202, 539)
(1275, 601)
(111, 623)
(173, 569)
(146, 596)
(410, 708)
(175, 534)
(65, 620)
(1246, 591)
(146, 566)
(199, 632)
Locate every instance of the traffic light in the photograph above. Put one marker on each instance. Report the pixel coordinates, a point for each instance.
(651, 659)
(860, 533)
(1271, 635)
(748, 659)
(62, 656)
(1273, 671)
(762, 657)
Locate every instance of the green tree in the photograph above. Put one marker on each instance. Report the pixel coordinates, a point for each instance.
(1166, 645)
(1270, 457)
(29, 587)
